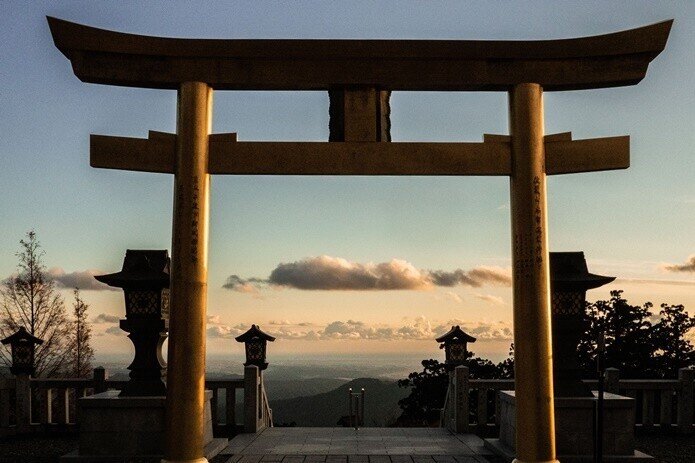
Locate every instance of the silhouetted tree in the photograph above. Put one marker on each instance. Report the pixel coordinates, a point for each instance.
(427, 394)
(628, 333)
(506, 367)
(639, 343)
(428, 388)
(81, 352)
(30, 299)
(672, 350)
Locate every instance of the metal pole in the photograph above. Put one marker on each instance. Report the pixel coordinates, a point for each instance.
(350, 407)
(362, 408)
(186, 355)
(599, 406)
(535, 423)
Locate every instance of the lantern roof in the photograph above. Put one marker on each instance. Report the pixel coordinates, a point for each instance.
(568, 270)
(254, 332)
(455, 334)
(22, 335)
(141, 268)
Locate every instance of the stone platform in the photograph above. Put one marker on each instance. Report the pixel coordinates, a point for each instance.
(116, 429)
(574, 429)
(345, 445)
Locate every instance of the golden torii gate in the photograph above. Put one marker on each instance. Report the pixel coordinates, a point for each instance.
(359, 74)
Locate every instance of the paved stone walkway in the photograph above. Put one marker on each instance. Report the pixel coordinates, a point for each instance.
(345, 445)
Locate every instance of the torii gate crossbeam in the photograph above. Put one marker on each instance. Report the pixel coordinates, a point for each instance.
(359, 74)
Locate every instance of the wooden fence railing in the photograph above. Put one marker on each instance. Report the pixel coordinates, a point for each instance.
(49, 406)
(472, 405)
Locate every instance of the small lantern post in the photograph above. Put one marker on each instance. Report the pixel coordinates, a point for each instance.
(454, 344)
(255, 342)
(569, 281)
(145, 283)
(22, 344)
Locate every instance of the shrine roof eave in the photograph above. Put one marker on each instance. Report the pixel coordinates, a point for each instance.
(115, 58)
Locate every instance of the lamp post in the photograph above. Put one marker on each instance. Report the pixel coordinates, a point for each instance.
(22, 344)
(145, 283)
(255, 342)
(569, 281)
(454, 343)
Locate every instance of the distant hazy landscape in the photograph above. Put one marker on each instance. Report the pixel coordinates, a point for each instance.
(321, 381)
(344, 367)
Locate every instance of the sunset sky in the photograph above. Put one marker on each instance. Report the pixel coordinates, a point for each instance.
(299, 233)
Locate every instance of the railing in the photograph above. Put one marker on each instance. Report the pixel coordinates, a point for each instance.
(472, 405)
(224, 422)
(49, 406)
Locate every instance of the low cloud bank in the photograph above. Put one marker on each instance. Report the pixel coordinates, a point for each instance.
(335, 273)
(418, 329)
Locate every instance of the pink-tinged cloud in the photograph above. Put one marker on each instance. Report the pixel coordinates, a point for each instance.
(335, 273)
(83, 280)
(330, 273)
(688, 266)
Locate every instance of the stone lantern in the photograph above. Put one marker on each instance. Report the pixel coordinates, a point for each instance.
(255, 341)
(145, 283)
(454, 344)
(569, 281)
(22, 344)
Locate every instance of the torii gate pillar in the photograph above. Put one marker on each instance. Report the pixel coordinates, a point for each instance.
(189, 276)
(533, 366)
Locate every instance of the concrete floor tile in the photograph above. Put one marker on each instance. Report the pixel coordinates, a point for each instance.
(315, 459)
(272, 458)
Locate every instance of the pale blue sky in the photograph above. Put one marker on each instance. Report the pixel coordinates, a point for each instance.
(627, 222)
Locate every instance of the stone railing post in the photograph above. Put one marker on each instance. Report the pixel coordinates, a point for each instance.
(460, 396)
(99, 377)
(612, 380)
(23, 402)
(252, 399)
(686, 376)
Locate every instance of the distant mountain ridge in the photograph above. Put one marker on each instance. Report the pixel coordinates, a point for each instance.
(325, 409)
(278, 389)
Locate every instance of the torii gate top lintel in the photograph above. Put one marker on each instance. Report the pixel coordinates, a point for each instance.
(116, 58)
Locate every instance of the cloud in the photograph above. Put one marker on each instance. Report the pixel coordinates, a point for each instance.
(688, 266)
(330, 273)
(490, 298)
(115, 330)
(105, 318)
(419, 329)
(335, 273)
(83, 280)
(236, 283)
(476, 277)
(216, 328)
(226, 331)
(482, 330)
